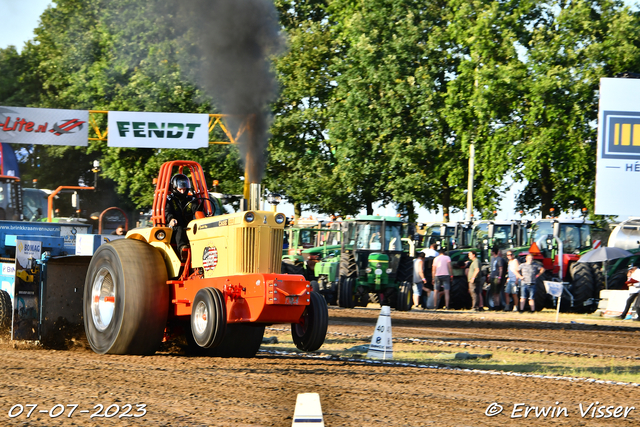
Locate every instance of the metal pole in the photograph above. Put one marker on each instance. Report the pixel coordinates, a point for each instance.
(472, 161)
(472, 158)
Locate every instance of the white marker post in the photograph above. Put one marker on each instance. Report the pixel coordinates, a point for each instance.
(555, 289)
(308, 411)
(381, 346)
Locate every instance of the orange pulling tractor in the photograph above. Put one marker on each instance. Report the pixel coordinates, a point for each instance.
(220, 292)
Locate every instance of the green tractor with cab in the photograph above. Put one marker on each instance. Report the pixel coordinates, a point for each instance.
(368, 265)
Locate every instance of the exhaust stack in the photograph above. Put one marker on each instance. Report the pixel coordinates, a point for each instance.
(255, 190)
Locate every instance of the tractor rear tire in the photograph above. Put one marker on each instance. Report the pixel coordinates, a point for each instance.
(405, 297)
(5, 312)
(405, 269)
(126, 298)
(459, 297)
(347, 281)
(309, 335)
(345, 289)
(583, 289)
(348, 267)
(618, 280)
(208, 317)
(542, 298)
(598, 275)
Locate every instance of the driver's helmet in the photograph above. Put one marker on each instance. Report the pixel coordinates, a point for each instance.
(180, 181)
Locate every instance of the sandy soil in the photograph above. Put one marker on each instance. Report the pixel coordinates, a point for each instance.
(195, 391)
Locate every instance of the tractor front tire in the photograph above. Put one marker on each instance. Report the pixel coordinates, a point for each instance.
(583, 289)
(405, 295)
(345, 289)
(208, 318)
(542, 298)
(5, 312)
(126, 298)
(309, 334)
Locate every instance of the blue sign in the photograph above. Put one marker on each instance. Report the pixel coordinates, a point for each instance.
(621, 135)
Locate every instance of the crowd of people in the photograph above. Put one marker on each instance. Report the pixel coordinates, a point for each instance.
(509, 283)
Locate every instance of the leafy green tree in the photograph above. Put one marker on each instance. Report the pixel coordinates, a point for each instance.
(116, 55)
(572, 46)
(299, 152)
(486, 86)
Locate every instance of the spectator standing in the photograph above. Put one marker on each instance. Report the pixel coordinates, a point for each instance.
(496, 277)
(633, 281)
(430, 255)
(431, 251)
(511, 290)
(528, 273)
(474, 278)
(419, 279)
(442, 274)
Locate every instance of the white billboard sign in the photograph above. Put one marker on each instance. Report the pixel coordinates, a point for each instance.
(158, 130)
(21, 125)
(618, 156)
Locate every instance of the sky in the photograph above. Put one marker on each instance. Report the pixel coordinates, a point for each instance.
(22, 16)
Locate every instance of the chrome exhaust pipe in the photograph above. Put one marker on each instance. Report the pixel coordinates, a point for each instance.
(255, 191)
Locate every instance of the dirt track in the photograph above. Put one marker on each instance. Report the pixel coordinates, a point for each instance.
(192, 391)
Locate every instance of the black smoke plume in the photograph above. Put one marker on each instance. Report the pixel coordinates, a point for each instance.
(234, 40)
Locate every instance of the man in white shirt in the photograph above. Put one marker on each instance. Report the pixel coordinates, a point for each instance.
(431, 251)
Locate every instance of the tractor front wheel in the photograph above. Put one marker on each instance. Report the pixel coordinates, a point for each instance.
(583, 289)
(208, 317)
(309, 334)
(405, 294)
(345, 289)
(126, 298)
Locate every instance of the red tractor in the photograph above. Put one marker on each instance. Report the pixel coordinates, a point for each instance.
(220, 293)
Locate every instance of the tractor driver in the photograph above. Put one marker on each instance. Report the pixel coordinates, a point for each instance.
(180, 210)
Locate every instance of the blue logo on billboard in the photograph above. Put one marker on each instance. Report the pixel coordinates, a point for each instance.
(621, 135)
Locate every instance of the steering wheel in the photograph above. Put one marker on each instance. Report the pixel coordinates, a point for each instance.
(201, 201)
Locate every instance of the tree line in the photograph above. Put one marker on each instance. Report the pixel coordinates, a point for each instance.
(379, 100)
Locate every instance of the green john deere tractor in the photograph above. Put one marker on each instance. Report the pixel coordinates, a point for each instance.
(299, 236)
(370, 266)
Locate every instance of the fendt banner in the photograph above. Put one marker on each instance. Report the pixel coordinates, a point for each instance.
(21, 125)
(158, 130)
(618, 156)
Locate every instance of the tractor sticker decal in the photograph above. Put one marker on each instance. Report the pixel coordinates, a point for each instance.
(221, 223)
(210, 258)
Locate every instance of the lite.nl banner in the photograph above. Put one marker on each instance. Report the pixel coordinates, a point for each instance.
(22, 125)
